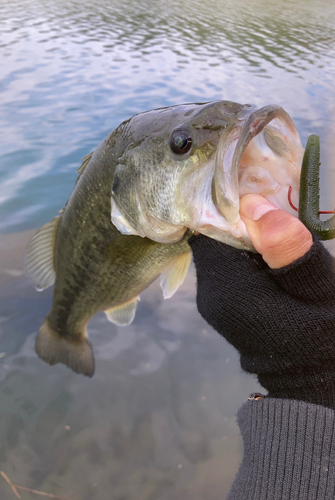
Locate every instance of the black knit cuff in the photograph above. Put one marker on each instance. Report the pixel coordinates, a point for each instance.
(311, 278)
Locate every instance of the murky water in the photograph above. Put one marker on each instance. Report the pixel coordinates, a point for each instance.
(157, 419)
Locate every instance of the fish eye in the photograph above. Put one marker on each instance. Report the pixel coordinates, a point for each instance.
(180, 141)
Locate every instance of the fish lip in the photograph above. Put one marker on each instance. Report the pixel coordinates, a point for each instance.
(254, 124)
(225, 192)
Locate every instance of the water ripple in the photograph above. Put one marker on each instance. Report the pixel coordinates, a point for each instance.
(72, 72)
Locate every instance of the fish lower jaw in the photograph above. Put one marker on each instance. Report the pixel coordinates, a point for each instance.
(281, 200)
(236, 237)
(258, 180)
(235, 234)
(239, 231)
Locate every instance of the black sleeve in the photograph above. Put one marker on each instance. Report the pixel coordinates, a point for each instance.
(281, 321)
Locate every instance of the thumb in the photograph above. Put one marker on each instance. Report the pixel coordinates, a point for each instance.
(278, 236)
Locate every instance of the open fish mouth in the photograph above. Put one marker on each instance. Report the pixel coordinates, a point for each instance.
(262, 154)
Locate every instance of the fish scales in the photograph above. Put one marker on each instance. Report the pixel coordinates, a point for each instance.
(154, 180)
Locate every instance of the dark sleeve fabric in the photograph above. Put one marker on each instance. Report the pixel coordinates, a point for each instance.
(289, 451)
(282, 321)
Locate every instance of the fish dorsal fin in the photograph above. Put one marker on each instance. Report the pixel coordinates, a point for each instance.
(124, 314)
(174, 274)
(39, 264)
(82, 167)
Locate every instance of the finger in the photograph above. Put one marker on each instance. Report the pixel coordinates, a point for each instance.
(278, 236)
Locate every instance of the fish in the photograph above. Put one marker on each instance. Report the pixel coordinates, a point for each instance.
(139, 196)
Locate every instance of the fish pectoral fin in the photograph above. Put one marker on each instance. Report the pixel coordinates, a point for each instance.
(124, 314)
(54, 348)
(39, 262)
(174, 274)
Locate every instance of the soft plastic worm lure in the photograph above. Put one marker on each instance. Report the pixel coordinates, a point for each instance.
(309, 198)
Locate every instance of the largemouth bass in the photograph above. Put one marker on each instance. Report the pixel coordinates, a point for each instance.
(152, 181)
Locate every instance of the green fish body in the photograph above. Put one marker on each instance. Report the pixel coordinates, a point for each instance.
(139, 196)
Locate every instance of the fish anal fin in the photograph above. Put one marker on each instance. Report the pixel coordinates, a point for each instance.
(124, 314)
(174, 274)
(39, 264)
(54, 348)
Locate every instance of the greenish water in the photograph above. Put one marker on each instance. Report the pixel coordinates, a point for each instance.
(157, 419)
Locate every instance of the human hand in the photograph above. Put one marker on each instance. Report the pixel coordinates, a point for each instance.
(276, 235)
(278, 310)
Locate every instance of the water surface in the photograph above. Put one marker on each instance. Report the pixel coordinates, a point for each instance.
(157, 419)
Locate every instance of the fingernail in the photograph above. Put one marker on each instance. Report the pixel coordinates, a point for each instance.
(263, 209)
(254, 206)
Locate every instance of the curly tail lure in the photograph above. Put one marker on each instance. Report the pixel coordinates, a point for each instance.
(309, 199)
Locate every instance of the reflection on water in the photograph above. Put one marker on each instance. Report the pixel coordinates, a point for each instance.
(71, 73)
(157, 419)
